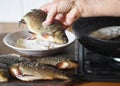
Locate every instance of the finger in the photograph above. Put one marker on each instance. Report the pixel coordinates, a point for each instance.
(50, 17)
(60, 17)
(44, 7)
(71, 17)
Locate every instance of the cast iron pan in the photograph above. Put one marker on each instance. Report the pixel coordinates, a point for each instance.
(83, 26)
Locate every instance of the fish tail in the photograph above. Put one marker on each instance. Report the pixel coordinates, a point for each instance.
(72, 80)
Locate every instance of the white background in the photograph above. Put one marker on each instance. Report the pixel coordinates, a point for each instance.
(13, 10)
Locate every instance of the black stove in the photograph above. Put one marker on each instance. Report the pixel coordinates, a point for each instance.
(96, 67)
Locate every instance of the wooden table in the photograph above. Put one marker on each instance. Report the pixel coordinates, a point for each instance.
(12, 27)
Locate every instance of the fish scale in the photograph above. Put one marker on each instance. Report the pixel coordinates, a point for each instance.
(52, 59)
(11, 59)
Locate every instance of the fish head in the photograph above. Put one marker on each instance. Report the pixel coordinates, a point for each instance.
(55, 33)
(60, 37)
(3, 76)
(20, 69)
(67, 64)
(24, 72)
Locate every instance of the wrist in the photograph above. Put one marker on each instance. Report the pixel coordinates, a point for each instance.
(90, 8)
(87, 8)
(65, 6)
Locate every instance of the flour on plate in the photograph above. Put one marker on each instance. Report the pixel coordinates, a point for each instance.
(36, 44)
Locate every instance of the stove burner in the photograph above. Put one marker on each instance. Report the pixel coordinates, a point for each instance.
(96, 67)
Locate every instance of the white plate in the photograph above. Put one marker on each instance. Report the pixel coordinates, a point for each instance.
(11, 38)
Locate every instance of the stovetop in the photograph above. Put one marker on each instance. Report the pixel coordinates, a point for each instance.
(96, 67)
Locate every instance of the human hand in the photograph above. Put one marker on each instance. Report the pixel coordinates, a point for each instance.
(64, 11)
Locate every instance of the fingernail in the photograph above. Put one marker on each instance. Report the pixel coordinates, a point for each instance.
(45, 23)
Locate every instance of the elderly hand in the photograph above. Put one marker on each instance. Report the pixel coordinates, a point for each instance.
(67, 11)
(64, 11)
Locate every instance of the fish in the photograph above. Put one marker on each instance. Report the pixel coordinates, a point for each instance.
(60, 61)
(5, 62)
(106, 33)
(31, 71)
(4, 74)
(52, 33)
(9, 59)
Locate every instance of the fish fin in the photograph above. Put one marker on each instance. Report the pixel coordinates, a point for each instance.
(73, 79)
(48, 78)
(46, 35)
(67, 65)
(34, 10)
(62, 65)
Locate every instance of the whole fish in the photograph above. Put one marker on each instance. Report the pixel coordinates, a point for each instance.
(62, 62)
(106, 33)
(10, 59)
(29, 71)
(53, 33)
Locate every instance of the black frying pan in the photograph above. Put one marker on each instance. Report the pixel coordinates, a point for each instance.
(83, 26)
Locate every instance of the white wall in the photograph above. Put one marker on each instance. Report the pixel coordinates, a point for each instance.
(13, 10)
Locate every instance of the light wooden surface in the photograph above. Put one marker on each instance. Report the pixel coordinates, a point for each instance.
(12, 27)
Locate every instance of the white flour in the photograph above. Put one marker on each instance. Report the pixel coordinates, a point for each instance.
(35, 44)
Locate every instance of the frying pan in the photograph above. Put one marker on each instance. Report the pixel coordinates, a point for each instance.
(83, 26)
